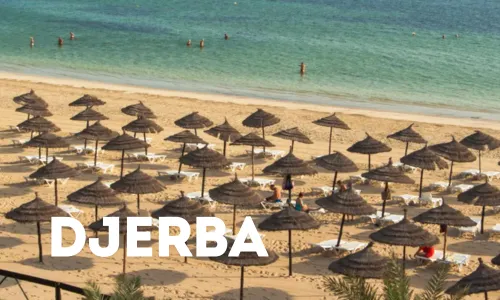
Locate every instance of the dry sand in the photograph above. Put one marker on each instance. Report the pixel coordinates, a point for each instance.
(170, 278)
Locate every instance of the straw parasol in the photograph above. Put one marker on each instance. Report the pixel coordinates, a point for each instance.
(386, 174)
(235, 193)
(46, 140)
(185, 208)
(204, 158)
(480, 141)
(143, 125)
(481, 195)
(289, 219)
(98, 133)
(261, 119)
(139, 109)
(496, 260)
(30, 98)
(122, 143)
(407, 135)
(425, 159)
(224, 132)
(97, 194)
(444, 215)
(245, 259)
(88, 115)
(483, 280)
(454, 152)
(362, 264)
(369, 146)
(36, 211)
(34, 109)
(294, 135)
(336, 162)
(87, 101)
(253, 140)
(139, 183)
(123, 213)
(55, 170)
(288, 166)
(185, 137)
(194, 121)
(346, 203)
(331, 121)
(405, 233)
(38, 124)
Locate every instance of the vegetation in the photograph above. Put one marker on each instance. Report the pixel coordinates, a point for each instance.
(127, 288)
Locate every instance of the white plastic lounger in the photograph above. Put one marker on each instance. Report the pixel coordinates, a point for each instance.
(273, 205)
(190, 175)
(50, 182)
(469, 173)
(18, 143)
(275, 154)
(255, 151)
(205, 199)
(325, 190)
(236, 166)
(262, 182)
(440, 185)
(15, 128)
(461, 188)
(405, 168)
(153, 158)
(32, 159)
(357, 178)
(458, 259)
(492, 175)
(496, 229)
(344, 246)
(70, 209)
(378, 215)
(438, 255)
(392, 219)
(199, 146)
(472, 229)
(406, 198)
(427, 198)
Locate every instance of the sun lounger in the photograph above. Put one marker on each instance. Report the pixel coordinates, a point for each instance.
(457, 259)
(275, 205)
(32, 159)
(427, 198)
(275, 154)
(70, 209)
(262, 182)
(151, 157)
(404, 167)
(190, 175)
(203, 199)
(191, 147)
(469, 173)
(406, 198)
(18, 142)
(492, 175)
(132, 156)
(440, 185)
(344, 246)
(45, 161)
(375, 217)
(33, 180)
(495, 229)
(438, 255)
(393, 219)
(15, 128)
(80, 149)
(61, 181)
(357, 179)
(461, 188)
(472, 229)
(236, 166)
(325, 190)
(105, 168)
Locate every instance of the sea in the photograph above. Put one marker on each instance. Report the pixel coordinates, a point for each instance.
(358, 53)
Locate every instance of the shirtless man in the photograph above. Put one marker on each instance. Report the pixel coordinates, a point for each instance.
(32, 42)
(202, 43)
(60, 41)
(226, 37)
(188, 43)
(302, 68)
(71, 36)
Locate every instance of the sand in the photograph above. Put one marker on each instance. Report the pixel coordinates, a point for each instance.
(171, 278)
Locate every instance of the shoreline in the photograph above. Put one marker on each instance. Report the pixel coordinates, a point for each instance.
(242, 100)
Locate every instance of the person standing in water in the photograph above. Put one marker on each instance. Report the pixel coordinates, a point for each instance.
(60, 41)
(226, 37)
(302, 68)
(202, 43)
(188, 43)
(71, 36)
(32, 42)
(444, 36)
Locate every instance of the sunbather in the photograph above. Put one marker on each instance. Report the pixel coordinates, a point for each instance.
(276, 196)
(425, 251)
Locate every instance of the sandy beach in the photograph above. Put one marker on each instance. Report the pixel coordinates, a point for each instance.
(200, 278)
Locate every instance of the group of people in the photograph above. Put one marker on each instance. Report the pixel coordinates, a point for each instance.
(60, 40)
(202, 42)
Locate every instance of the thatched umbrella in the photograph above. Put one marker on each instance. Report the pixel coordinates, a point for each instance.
(122, 143)
(405, 233)
(88, 115)
(55, 170)
(204, 158)
(346, 203)
(336, 162)
(138, 183)
(331, 121)
(143, 125)
(36, 211)
(123, 213)
(480, 141)
(386, 174)
(139, 109)
(224, 132)
(185, 137)
(294, 135)
(34, 109)
(98, 133)
(245, 259)
(444, 215)
(483, 280)
(235, 193)
(46, 140)
(481, 195)
(38, 124)
(261, 119)
(424, 159)
(194, 121)
(496, 260)
(407, 135)
(454, 152)
(369, 146)
(288, 166)
(97, 194)
(87, 101)
(253, 140)
(30, 98)
(362, 264)
(185, 208)
(289, 219)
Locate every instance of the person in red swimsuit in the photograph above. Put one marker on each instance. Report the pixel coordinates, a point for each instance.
(425, 251)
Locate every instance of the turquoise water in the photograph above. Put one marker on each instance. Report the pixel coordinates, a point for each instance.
(358, 52)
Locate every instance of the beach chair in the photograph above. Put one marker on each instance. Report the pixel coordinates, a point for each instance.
(428, 199)
(18, 142)
(183, 174)
(393, 219)
(71, 210)
(205, 199)
(44, 161)
(495, 229)
(275, 154)
(344, 246)
(255, 152)
(460, 188)
(273, 205)
(405, 168)
(357, 179)
(33, 180)
(104, 168)
(440, 186)
(469, 173)
(50, 182)
(152, 158)
(472, 229)
(406, 198)
(16, 129)
(32, 159)
(132, 156)
(374, 218)
(438, 255)
(262, 182)
(457, 259)
(491, 175)
(236, 166)
(191, 147)
(325, 190)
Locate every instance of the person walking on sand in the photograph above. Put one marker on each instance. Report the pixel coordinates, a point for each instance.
(226, 37)
(188, 43)
(32, 42)
(71, 36)
(60, 41)
(302, 68)
(202, 43)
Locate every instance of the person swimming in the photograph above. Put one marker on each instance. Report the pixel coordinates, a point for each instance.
(188, 43)
(302, 68)
(457, 36)
(226, 37)
(71, 36)
(444, 36)
(60, 41)
(202, 43)
(414, 33)
(32, 41)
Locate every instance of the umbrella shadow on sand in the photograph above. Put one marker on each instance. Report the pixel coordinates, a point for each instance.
(254, 293)
(25, 229)
(157, 277)
(9, 149)
(479, 248)
(9, 242)
(60, 263)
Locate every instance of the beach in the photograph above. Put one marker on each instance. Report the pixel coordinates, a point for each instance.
(200, 278)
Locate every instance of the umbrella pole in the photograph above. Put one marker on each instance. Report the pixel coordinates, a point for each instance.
(404, 259)
(420, 188)
(28, 117)
(234, 219)
(31, 135)
(334, 182)
(253, 170)
(482, 219)
(180, 163)
(291, 149)
(121, 168)
(46, 155)
(203, 183)
(145, 148)
(95, 152)
(485, 295)
(383, 203)
(241, 281)
(341, 228)
(96, 212)
(369, 162)
(224, 150)
(40, 251)
(451, 172)
(39, 152)
(135, 134)
(195, 132)
(444, 246)
(124, 252)
(480, 164)
(330, 142)
(289, 252)
(138, 203)
(264, 137)
(406, 149)
(55, 189)
(85, 141)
